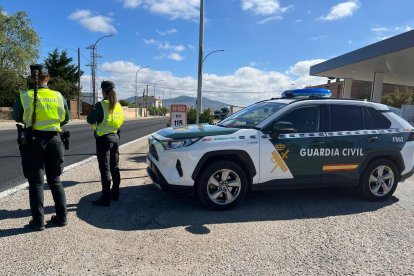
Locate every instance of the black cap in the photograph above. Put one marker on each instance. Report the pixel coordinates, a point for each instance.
(106, 85)
(42, 69)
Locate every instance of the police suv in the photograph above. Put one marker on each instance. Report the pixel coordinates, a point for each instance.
(302, 139)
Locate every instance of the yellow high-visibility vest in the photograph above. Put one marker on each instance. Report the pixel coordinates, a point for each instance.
(50, 109)
(111, 121)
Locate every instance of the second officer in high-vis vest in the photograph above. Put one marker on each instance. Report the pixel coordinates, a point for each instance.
(106, 120)
(42, 111)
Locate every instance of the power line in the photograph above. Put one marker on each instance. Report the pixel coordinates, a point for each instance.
(64, 48)
(205, 91)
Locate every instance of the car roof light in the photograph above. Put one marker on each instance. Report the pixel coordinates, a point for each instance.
(307, 93)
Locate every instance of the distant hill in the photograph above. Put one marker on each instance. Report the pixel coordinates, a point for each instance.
(189, 101)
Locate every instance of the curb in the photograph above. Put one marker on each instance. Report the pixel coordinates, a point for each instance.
(70, 167)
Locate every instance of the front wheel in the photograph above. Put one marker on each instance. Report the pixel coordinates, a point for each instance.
(222, 185)
(379, 180)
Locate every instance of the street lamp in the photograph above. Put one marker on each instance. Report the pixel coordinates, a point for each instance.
(200, 85)
(136, 91)
(94, 65)
(155, 100)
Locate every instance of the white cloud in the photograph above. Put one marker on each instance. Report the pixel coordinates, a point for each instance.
(244, 86)
(164, 45)
(94, 23)
(318, 38)
(382, 33)
(132, 3)
(341, 10)
(172, 51)
(175, 9)
(263, 7)
(269, 19)
(380, 29)
(4, 13)
(302, 67)
(175, 56)
(167, 32)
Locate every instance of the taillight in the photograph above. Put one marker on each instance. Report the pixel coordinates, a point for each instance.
(410, 136)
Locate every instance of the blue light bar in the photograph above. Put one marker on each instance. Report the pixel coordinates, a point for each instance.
(307, 93)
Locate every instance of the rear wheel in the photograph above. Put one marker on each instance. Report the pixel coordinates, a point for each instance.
(379, 180)
(222, 185)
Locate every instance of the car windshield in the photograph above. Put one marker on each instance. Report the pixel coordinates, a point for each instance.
(253, 115)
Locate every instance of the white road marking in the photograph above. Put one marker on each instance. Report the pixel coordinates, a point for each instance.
(70, 167)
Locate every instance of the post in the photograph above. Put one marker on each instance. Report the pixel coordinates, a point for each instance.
(79, 87)
(93, 65)
(200, 62)
(136, 91)
(146, 103)
(136, 96)
(93, 74)
(155, 100)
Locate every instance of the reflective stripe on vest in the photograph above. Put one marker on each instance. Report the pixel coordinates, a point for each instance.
(50, 109)
(111, 121)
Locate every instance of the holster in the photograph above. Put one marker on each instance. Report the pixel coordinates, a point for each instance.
(24, 135)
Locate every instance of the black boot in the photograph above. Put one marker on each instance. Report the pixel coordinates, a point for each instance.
(101, 202)
(60, 221)
(36, 227)
(115, 195)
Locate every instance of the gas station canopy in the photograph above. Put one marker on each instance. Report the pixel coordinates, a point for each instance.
(392, 58)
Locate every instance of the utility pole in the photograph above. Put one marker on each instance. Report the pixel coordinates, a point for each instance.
(200, 62)
(79, 86)
(146, 103)
(93, 66)
(136, 91)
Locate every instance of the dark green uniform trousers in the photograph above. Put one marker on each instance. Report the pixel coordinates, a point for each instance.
(107, 151)
(44, 154)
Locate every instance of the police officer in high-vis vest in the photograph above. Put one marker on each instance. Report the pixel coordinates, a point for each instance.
(42, 111)
(106, 120)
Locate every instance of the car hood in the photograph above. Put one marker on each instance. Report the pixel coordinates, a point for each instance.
(194, 131)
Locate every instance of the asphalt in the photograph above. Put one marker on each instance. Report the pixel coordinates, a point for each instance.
(151, 232)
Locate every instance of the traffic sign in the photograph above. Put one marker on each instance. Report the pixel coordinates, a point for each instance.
(178, 115)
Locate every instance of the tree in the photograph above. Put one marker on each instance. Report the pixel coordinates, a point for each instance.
(205, 117)
(10, 84)
(59, 65)
(64, 75)
(19, 43)
(19, 47)
(124, 103)
(68, 89)
(398, 98)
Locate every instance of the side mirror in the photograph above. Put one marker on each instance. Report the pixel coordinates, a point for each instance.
(283, 127)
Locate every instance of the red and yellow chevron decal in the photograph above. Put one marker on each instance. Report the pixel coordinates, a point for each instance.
(339, 167)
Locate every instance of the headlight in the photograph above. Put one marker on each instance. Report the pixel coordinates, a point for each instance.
(178, 143)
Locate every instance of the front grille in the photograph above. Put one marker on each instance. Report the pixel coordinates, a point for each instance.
(153, 152)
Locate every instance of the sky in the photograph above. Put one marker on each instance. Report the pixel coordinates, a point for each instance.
(269, 45)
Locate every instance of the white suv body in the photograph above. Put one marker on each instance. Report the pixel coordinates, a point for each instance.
(286, 143)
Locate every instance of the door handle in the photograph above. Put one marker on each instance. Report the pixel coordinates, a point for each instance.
(372, 138)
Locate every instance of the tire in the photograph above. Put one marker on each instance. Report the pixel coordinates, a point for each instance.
(217, 193)
(379, 180)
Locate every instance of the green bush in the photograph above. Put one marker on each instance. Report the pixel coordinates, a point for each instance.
(205, 117)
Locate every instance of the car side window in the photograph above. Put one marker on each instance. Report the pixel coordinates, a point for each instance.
(375, 119)
(345, 117)
(303, 119)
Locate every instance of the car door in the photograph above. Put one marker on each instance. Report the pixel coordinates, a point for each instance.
(290, 146)
(351, 136)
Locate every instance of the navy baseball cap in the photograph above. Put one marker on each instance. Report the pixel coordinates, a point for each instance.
(106, 85)
(42, 69)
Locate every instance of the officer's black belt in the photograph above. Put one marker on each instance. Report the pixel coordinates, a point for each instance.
(41, 134)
